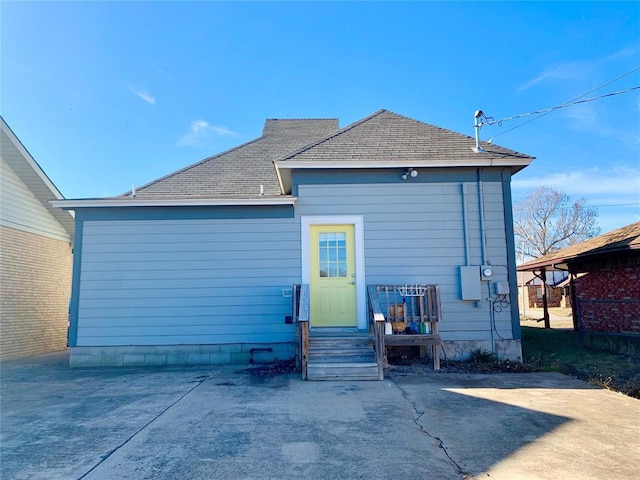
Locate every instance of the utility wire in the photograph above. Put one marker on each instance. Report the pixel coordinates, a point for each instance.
(570, 101)
(614, 205)
(565, 105)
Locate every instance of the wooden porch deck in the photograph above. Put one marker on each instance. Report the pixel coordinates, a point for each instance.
(411, 311)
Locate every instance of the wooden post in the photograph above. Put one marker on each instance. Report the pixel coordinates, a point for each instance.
(545, 305)
(303, 319)
(380, 357)
(574, 301)
(434, 349)
(304, 348)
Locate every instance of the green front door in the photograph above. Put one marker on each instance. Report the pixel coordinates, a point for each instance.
(333, 285)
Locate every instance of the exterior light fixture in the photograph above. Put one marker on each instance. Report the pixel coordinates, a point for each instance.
(410, 173)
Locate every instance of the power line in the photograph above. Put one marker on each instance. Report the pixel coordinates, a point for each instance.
(551, 109)
(614, 205)
(573, 100)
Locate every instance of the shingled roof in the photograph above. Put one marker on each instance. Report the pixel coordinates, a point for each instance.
(617, 242)
(240, 172)
(386, 137)
(259, 171)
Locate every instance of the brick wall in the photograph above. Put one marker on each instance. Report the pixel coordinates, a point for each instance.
(609, 300)
(35, 286)
(554, 296)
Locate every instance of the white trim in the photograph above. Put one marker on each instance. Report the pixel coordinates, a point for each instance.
(29, 160)
(186, 202)
(358, 223)
(480, 161)
(275, 166)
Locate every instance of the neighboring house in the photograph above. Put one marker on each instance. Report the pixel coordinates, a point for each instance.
(198, 266)
(530, 290)
(604, 275)
(35, 255)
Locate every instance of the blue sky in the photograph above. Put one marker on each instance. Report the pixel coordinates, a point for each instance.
(109, 94)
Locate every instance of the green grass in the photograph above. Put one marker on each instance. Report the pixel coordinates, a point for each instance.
(607, 360)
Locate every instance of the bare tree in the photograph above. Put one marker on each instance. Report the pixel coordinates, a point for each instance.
(546, 221)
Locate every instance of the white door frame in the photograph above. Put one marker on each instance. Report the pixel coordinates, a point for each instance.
(357, 221)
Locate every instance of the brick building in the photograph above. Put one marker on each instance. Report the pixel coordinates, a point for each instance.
(35, 255)
(530, 290)
(604, 274)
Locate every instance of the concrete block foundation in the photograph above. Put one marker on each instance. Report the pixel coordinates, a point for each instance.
(157, 355)
(461, 349)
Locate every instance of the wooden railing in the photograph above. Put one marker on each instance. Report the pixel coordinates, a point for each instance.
(300, 313)
(414, 312)
(376, 319)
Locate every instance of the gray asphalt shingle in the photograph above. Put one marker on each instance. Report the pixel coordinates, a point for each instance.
(382, 136)
(387, 136)
(239, 172)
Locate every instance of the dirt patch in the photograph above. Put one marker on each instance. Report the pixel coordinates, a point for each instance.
(425, 367)
(274, 369)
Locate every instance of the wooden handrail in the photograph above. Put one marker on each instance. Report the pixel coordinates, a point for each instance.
(301, 307)
(374, 304)
(424, 307)
(305, 303)
(377, 325)
(406, 304)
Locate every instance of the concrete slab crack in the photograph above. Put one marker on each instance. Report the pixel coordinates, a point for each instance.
(198, 381)
(419, 414)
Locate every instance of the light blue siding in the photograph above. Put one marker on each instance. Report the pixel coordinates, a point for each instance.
(414, 233)
(169, 281)
(192, 281)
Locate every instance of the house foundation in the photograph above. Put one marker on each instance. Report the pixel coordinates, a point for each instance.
(158, 355)
(461, 349)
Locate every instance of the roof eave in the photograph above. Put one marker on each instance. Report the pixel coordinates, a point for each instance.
(560, 264)
(38, 179)
(516, 165)
(183, 202)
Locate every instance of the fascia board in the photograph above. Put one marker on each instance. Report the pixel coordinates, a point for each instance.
(199, 202)
(495, 162)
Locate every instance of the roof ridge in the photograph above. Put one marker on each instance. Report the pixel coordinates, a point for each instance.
(448, 130)
(413, 120)
(298, 119)
(193, 165)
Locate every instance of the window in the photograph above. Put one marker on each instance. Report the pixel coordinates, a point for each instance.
(332, 250)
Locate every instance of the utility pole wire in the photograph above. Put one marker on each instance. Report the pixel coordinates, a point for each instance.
(573, 100)
(565, 105)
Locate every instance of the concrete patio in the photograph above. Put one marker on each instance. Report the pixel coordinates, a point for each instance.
(226, 423)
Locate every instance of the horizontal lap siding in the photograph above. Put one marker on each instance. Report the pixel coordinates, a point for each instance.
(187, 281)
(22, 210)
(413, 233)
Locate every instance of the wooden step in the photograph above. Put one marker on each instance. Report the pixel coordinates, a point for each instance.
(338, 356)
(341, 356)
(342, 371)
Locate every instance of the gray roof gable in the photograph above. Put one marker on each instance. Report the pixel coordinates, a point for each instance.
(387, 137)
(241, 171)
(381, 140)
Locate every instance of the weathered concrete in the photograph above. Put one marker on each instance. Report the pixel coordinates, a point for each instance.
(523, 426)
(157, 355)
(202, 422)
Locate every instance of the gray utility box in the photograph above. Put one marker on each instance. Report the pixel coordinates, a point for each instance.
(470, 282)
